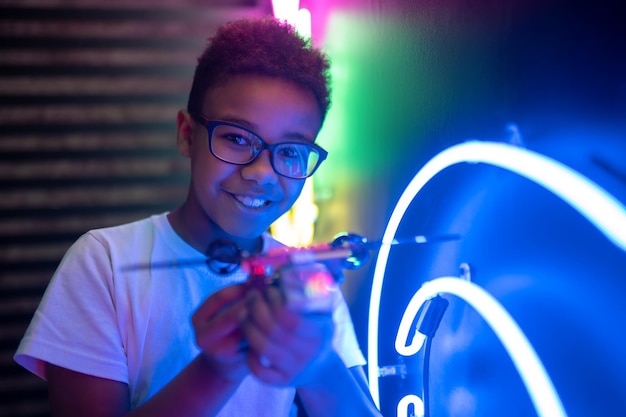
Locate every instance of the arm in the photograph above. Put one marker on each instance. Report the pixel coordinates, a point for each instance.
(196, 391)
(201, 389)
(338, 391)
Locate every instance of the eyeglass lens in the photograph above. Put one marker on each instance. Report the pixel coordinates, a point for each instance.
(240, 146)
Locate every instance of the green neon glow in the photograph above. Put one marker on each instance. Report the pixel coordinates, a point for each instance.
(397, 82)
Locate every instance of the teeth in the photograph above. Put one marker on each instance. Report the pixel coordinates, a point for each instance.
(250, 202)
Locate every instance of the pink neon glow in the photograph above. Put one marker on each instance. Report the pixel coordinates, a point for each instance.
(285, 9)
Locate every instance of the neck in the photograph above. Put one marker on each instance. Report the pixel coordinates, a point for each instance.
(201, 233)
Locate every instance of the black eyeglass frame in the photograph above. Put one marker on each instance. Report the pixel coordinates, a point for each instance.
(210, 126)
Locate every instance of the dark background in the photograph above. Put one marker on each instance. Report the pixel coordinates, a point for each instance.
(88, 96)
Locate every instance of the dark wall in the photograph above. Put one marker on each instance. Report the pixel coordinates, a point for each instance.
(88, 98)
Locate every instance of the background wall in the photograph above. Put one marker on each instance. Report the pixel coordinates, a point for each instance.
(89, 92)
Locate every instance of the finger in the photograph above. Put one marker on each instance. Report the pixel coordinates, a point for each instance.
(284, 363)
(305, 325)
(265, 336)
(268, 314)
(218, 301)
(260, 311)
(309, 287)
(265, 370)
(282, 315)
(258, 323)
(277, 323)
(222, 333)
(274, 357)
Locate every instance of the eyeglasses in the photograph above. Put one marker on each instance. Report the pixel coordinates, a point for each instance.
(237, 145)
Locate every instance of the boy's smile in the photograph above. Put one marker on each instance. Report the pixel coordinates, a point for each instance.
(239, 202)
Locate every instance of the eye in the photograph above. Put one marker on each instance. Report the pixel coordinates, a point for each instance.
(234, 138)
(290, 151)
(298, 151)
(237, 138)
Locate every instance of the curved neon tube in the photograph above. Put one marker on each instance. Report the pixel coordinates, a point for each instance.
(594, 203)
(525, 359)
(407, 401)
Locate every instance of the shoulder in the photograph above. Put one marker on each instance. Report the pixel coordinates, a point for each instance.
(126, 236)
(104, 246)
(130, 229)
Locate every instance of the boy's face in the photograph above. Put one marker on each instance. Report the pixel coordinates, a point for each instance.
(241, 201)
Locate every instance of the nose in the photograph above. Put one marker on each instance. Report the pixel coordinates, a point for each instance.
(260, 169)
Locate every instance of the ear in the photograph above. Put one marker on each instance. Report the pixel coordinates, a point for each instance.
(184, 133)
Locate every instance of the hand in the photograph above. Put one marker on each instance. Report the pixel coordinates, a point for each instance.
(285, 346)
(308, 288)
(218, 333)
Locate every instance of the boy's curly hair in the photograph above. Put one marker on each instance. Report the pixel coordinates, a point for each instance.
(263, 46)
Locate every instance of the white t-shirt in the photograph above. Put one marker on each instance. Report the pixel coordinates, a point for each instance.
(103, 318)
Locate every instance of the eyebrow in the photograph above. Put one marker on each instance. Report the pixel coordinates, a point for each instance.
(253, 128)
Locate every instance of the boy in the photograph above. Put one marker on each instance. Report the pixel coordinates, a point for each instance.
(191, 341)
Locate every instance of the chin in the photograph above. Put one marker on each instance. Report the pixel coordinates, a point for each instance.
(237, 231)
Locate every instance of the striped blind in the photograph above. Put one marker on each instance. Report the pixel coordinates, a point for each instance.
(89, 91)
